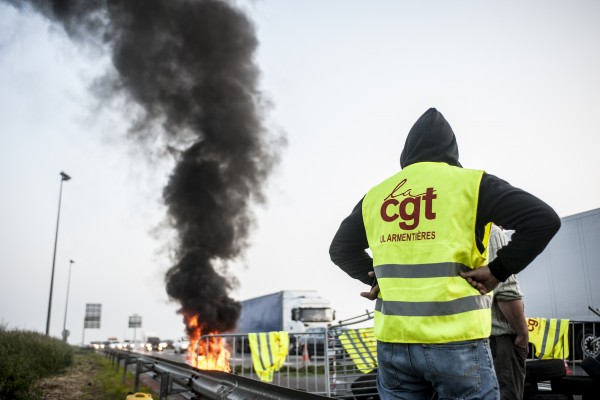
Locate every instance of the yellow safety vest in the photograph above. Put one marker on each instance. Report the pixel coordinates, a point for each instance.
(269, 351)
(420, 225)
(361, 346)
(549, 337)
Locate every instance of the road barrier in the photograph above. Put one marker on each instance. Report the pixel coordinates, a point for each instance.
(334, 362)
(319, 364)
(191, 383)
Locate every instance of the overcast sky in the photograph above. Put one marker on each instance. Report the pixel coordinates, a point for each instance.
(517, 81)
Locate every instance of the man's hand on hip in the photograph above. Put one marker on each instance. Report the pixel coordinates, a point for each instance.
(481, 279)
(372, 294)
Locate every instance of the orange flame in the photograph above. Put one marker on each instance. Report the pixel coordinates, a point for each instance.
(210, 353)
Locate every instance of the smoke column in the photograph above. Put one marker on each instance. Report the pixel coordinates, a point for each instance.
(188, 66)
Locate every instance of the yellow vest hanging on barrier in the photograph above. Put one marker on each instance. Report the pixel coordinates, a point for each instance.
(269, 351)
(549, 337)
(361, 346)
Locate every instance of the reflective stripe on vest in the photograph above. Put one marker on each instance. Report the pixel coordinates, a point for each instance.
(433, 308)
(420, 270)
(549, 337)
(269, 351)
(361, 346)
(420, 226)
(425, 308)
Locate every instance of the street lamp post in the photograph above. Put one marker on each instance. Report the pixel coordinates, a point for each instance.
(65, 333)
(63, 177)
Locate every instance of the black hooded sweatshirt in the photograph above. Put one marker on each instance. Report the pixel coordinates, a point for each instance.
(431, 139)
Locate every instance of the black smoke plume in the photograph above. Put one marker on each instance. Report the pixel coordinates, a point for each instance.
(188, 65)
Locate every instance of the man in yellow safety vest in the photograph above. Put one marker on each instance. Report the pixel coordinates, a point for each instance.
(427, 228)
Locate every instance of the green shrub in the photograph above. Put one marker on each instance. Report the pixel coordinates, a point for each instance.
(27, 356)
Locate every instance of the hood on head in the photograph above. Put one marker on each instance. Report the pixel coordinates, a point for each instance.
(430, 139)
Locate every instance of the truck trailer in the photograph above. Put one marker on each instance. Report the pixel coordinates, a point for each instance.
(563, 282)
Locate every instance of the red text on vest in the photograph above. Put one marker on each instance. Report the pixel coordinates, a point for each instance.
(409, 208)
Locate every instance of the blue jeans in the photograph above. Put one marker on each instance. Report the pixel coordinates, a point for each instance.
(458, 370)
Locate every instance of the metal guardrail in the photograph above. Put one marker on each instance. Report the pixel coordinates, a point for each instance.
(317, 362)
(181, 378)
(317, 367)
(297, 372)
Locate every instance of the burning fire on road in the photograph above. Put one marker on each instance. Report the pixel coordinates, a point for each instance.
(211, 353)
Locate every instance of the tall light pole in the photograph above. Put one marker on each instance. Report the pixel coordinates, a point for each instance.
(63, 177)
(65, 333)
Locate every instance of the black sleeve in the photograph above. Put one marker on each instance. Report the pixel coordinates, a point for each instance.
(347, 250)
(534, 223)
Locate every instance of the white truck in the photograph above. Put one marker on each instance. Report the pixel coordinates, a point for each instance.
(293, 311)
(564, 282)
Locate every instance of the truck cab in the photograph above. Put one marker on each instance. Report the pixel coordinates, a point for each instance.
(309, 315)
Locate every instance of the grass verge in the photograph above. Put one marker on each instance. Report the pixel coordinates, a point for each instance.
(92, 377)
(26, 357)
(34, 366)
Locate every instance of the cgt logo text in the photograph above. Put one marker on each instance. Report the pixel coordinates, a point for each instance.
(404, 205)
